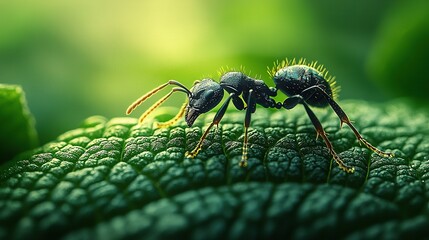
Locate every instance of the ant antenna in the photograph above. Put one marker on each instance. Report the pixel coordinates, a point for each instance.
(174, 119)
(139, 101)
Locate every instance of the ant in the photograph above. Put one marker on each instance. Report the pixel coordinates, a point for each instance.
(308, 84)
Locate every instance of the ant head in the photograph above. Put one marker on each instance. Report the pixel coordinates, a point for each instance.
(205, 95)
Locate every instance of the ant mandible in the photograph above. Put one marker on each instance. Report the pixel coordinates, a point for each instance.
(304, 83)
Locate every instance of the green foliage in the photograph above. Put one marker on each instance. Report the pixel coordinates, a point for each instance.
(17, 125)
(113, 179)
(399, 58)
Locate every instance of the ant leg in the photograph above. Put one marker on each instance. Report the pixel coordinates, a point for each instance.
(238, 102)
(321, 132)
(345, 119)
(216, 121)
(249, 110)
(292, 101)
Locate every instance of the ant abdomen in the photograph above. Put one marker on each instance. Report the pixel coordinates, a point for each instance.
(294, 80)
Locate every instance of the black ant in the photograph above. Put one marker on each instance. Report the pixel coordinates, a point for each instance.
(304, 83)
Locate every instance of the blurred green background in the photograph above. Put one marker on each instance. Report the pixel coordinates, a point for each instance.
(79, 58)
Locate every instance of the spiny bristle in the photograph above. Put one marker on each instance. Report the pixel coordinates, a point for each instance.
(226, 69)
(242, 69)
(334, 87)
(314, 64)
(222, 70)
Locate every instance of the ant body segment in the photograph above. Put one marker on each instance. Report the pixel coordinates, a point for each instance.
(306, 84)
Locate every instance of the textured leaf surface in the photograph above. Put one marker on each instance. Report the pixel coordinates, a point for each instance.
(16, 123)
(113, 179)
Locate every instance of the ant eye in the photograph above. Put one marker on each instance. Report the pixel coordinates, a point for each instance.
(208, 94)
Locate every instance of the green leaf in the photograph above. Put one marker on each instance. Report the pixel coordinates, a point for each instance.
(17, 125)
(111, 179)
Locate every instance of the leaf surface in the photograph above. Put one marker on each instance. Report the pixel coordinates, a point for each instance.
(114, 179)
(16, 123)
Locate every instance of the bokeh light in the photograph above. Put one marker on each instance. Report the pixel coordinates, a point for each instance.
(81, 58)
